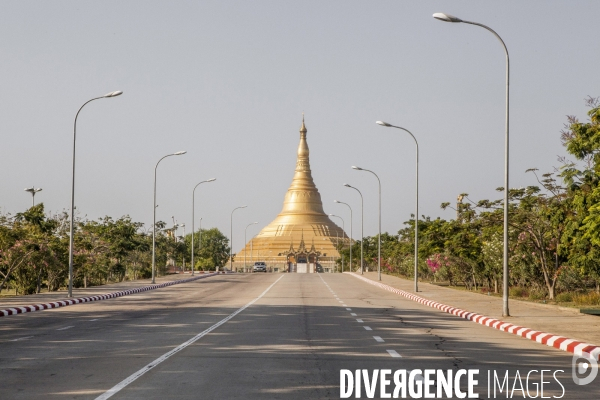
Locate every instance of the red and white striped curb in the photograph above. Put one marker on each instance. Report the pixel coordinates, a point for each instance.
(549, 339)
(79, 300)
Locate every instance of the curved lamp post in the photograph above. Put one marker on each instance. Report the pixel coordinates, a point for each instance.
(33, 191)
(379, 241)
(362, 225)
(416, 201)
(341, 202)
(193, 219)
(106, 96)
(154, 216)
(245, 230)
(344, 232)
(451, 18)
(231, 238)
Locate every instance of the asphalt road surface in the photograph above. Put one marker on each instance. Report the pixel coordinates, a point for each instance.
(257, 336)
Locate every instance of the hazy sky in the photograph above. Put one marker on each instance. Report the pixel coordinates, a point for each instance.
(228, 81)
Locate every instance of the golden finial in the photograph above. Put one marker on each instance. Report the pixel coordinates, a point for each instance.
(303, 127)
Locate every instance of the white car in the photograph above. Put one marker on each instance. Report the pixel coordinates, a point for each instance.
(259, 266)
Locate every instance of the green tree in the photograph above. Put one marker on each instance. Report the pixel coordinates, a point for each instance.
(212, 248)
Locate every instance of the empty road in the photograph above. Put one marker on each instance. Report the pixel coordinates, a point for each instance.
(255, 336)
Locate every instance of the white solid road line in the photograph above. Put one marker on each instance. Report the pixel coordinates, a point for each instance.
(379, 339)
(394, 353)
(367, 328)
(65, 328)
(118, 387)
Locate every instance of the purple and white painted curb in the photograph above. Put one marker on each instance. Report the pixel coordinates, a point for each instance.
(79, 300)
(549, 339)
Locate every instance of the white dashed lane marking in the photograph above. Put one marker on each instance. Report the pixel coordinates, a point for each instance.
(367, 328)
(379, 339)
(65, 328)
(353, 314)
(359, 320)
(349, 309)
(394, 353)
(21, 338)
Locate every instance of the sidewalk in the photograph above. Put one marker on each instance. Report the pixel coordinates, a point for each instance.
(25, 300)
(540, 317)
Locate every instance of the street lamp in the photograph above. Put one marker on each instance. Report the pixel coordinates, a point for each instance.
(362, 224)
(231, 238)
(450, 18)
(193, 219)
(344, 231)
(379, 241)
(253, 223)
(179, 153)
(108, 95)
(183, 261)
(341, 202)
(33, 191)
(252, 250)
(416, 201)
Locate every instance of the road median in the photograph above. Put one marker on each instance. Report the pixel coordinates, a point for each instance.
(79, 300)
(535, 317)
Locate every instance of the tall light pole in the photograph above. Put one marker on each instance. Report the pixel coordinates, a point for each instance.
(231, 238)
(33, 191)
(341, 202)
(154, 216)
(416, 201)
(252, 250)
(450, 18)
(344, 232)
(379, 241)
(183, 263)
(362, 225)
(245, 230)
(193, 219)
(106, 96)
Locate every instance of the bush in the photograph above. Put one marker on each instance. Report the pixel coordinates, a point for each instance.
(537, 295)
(518, 292)
(587, 299)
(565, 297)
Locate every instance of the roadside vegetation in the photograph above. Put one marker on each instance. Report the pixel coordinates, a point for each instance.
(34, 251)
(554, 232)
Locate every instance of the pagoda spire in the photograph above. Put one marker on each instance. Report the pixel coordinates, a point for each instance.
(303, 196)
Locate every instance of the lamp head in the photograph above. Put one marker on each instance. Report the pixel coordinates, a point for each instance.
(345, 184)
(179, 153)
(382, 123)
(113, 94)
(336, 201)
(243, 206)
(255, 222)
(446, 17)
(356, 168)
(211, 180)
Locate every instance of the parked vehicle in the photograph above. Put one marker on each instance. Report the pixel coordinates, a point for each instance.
(259, 266)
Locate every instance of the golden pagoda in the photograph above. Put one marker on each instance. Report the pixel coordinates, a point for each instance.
(302, 238)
